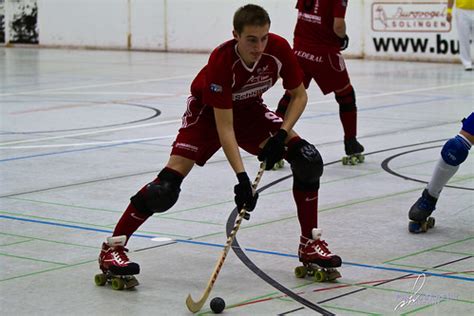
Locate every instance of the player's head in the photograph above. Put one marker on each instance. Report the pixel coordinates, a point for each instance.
(251, 27)
(250, 15)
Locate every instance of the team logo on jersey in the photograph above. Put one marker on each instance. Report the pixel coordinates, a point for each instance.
(252, 90)
(262, 70)
(216, 88)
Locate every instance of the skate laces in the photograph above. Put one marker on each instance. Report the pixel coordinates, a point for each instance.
(119, 255)
(318, 246)
(323, 245)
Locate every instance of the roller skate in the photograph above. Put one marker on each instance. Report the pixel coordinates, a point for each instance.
(280, 164)
(419, 214)
(354, 151)
(115, 265)
(318, 262)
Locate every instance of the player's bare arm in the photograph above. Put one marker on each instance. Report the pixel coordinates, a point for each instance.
(225, 128)
(297, 104)
(339, 27)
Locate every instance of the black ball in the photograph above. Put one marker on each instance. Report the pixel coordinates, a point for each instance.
(217, 305)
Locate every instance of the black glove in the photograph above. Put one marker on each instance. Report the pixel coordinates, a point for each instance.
(244, 196)
(274, 149)
(344, 42)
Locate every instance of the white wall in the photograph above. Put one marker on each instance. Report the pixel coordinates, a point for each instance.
(171, 25)
(200, 25)
(83, 23)
(148, 24)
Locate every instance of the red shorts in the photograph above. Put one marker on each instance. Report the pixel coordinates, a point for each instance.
(198, 139)
(328, 69)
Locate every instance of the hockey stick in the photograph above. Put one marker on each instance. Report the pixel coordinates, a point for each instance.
(196, 306)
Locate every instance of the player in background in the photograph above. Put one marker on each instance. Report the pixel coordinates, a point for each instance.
(465, 26)
(226, 109)
(454, 153)
(319, 37)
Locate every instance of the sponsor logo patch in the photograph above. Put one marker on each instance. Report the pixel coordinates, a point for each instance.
(186, 147)
(409, 17)
(216, 88)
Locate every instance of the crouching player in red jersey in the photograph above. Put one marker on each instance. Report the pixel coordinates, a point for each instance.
(319, 37)
(226, 109)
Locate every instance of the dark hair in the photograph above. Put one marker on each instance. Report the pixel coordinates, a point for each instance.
(250, 14)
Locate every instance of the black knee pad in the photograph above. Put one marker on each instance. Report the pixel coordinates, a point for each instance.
(306, 165)
(347, 101)
(158, 196)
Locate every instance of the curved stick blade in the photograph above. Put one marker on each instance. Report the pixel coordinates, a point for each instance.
(195, 306)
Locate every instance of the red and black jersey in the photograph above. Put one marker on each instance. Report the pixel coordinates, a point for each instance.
(226, 82)
(314, 27)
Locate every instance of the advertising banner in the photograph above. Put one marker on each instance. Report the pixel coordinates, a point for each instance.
(415, 30)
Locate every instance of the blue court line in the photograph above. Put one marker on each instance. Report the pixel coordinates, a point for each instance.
(74, 150)
(305, 117)
(370, 266)
(144, 141)
(246, 249)
(448, 276)
(67, 225)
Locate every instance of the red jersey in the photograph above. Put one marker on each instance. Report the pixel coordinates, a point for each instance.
(226, 82)
(314, 28)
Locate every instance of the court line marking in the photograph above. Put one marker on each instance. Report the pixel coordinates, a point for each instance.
(151, 94)
(91, 133)
(66, 151)
(339, 285)
(124, 141)
(176, 121)
(201, 243)
(411, 91)
(100, 85)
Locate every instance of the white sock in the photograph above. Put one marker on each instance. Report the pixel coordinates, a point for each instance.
(443, 172)
(441, 175)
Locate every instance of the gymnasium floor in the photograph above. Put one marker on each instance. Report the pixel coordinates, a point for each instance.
(81, 131)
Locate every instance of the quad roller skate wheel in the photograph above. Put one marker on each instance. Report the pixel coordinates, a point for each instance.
(360, 157)
(317, 274)
(301, 272)
(100, 279)
(421, 227)
(118, 284)
(353, 159)
(320, 276)
(278, 165)
(326, 275)
(431, 222)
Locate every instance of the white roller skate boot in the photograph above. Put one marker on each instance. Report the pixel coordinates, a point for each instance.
(318, 261)
(115, 265)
